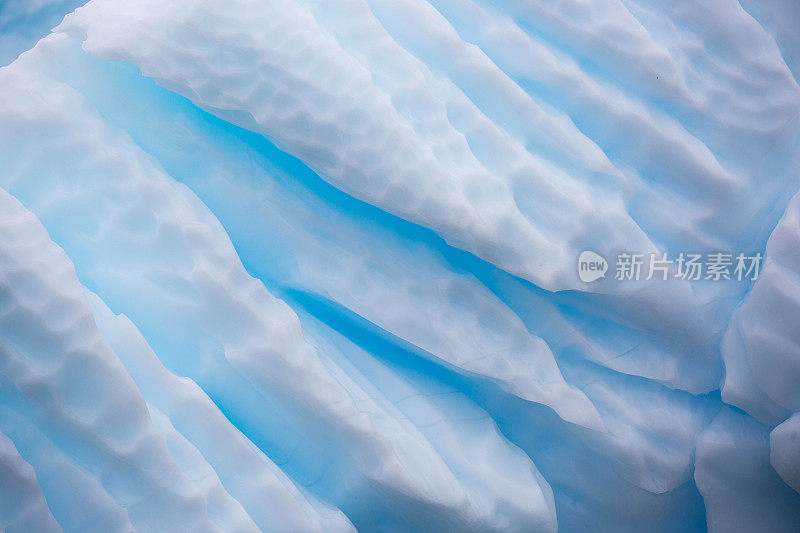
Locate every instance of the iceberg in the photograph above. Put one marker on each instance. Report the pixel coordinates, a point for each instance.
(315, 266)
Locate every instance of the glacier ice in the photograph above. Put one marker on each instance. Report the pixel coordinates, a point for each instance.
(24, 506)
(785, 452)
(311, 266)
(23, 22)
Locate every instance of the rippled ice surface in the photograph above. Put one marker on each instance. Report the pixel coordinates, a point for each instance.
(313, 266)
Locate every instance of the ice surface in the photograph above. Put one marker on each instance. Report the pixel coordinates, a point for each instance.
(59, 372)
(310, 266)
(740, 490)
(762, 345)
(217, 451)
(24, 506)
(784, 446)
(23, 22)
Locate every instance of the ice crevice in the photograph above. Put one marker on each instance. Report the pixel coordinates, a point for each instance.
(202, 264)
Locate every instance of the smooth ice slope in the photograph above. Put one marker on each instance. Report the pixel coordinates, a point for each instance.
(23, 22)
(310, 266)
(784, 444)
